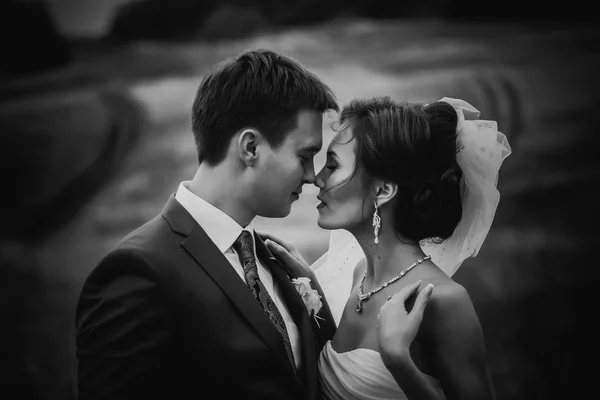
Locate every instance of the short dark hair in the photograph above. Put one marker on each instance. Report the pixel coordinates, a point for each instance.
(415, 147)
(257, 89)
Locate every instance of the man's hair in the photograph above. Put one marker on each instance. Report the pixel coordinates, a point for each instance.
(257, 89)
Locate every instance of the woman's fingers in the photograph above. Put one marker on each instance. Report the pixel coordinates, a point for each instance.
(283, 243)
(406, 292)
(422, 300)
(292, 260)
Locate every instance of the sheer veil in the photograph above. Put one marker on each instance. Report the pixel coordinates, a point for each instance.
(482, 149)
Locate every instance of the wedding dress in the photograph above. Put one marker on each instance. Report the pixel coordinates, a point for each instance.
(358, 374)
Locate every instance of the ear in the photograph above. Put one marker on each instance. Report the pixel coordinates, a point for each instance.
(246, 146)
(385, 192)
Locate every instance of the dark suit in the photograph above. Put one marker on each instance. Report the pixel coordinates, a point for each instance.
(165, 315)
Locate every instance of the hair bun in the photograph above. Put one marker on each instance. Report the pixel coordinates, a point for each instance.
(438, 204)
(442, 114)
(449, 190)
(450, 178)
(442, 120)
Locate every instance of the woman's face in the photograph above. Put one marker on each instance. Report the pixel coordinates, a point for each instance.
(344, 204)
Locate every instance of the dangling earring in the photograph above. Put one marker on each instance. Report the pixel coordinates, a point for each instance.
(376, 224)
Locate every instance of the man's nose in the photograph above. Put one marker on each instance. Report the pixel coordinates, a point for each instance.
(309, 174)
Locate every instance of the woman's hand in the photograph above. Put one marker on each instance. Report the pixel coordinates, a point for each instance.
(285, 252)
(397, 327)
(293, 260)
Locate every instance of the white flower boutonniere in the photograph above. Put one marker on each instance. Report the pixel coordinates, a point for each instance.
(310, 297)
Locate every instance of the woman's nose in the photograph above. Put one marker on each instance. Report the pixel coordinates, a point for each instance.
(319, 180)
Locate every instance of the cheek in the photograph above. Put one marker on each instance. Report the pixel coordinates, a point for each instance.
(285, 173)
(349, 209)
(347, 204)
(333, 181)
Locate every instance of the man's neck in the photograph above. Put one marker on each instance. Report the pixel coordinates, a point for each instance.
(218, 187)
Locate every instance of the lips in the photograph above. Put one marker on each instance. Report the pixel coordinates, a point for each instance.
(322, 203)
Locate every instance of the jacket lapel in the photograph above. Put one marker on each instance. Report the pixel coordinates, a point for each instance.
(291, 298)
(199, 246)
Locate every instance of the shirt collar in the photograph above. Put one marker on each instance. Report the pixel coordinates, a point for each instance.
(219, 226)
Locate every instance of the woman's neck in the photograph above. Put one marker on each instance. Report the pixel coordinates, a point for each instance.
(388, 258)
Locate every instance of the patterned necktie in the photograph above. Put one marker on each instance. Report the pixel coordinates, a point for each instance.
(244, 246)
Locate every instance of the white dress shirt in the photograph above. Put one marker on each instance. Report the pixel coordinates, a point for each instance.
(224, 231)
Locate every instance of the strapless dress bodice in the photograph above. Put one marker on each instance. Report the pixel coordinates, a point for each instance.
(359, 374)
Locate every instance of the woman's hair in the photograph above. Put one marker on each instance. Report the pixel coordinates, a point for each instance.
(413, 146)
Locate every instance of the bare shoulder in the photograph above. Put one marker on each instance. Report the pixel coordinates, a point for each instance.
(448, 294)
(450, 310)
(452, 333)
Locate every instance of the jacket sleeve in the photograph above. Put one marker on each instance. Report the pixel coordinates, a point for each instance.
(123, 330)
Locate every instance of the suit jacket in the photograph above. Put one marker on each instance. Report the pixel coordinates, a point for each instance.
(164, 315)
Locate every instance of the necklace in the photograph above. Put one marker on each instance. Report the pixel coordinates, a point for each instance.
(363, 297)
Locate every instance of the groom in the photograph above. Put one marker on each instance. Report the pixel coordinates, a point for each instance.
(193, 304)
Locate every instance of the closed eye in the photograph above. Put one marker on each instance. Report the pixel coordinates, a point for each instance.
(332, 160)
(331, 163)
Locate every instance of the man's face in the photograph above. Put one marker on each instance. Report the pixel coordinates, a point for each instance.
(283, 171)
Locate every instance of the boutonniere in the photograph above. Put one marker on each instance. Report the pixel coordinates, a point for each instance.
(310, 297)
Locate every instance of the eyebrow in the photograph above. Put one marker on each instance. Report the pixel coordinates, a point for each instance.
(312, 149)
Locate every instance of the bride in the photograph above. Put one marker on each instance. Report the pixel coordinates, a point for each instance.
(409, 192)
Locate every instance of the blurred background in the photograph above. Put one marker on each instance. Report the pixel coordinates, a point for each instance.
(95, 99)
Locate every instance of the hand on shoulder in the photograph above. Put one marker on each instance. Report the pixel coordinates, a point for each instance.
(397, 327)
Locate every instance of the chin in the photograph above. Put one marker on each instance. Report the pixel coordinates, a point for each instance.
(328, 225)
(274, 212)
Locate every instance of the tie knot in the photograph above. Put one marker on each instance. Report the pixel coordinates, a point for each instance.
(244, 246)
